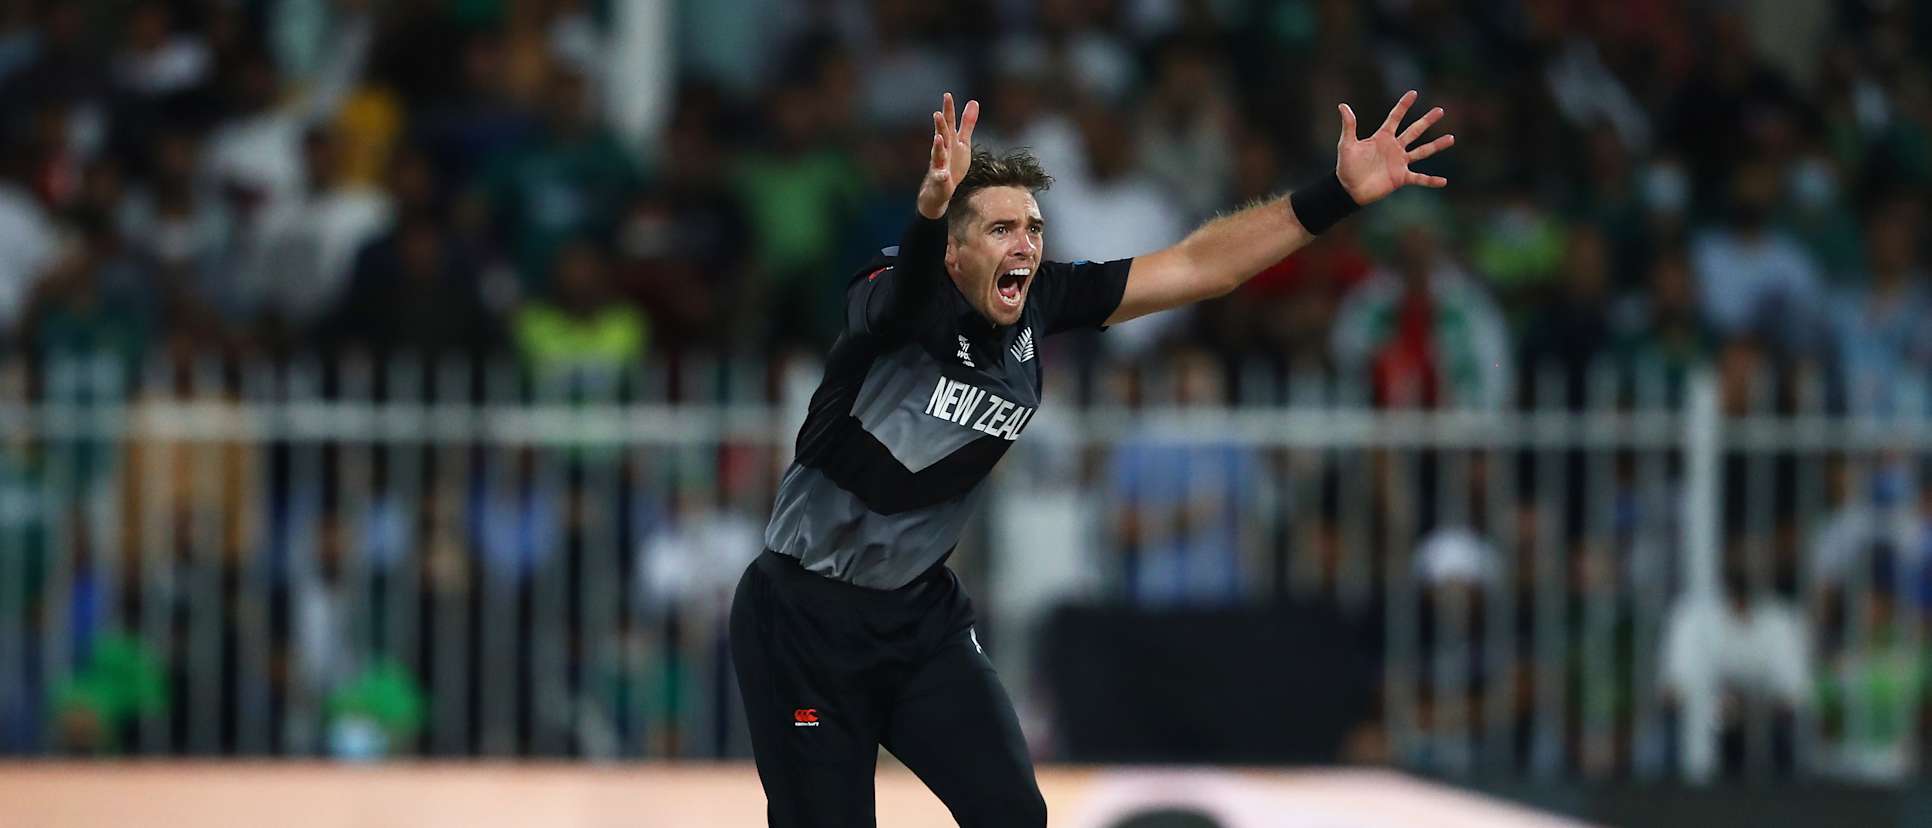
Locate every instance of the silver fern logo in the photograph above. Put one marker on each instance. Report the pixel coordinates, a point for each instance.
(1023, 346)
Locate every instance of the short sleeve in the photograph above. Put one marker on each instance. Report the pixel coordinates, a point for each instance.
(870, 289)
(1076, 295)
(903, 288)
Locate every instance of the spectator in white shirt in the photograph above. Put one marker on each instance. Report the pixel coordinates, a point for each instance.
(1752, 276)
(1734, 655)
(1114, 211)
(308, 244)
(155, 59)
(28, 238)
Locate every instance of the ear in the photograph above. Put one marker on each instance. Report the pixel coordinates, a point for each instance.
(952, 255)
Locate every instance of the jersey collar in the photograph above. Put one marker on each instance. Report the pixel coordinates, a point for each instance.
(980, 329)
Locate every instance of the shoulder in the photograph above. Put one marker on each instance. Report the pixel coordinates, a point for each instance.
(1077, 269)
(879, 266)
(1081, 286)
(1050, 271)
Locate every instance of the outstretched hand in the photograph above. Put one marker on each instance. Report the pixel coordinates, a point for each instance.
(952, 153)
(1372, 168)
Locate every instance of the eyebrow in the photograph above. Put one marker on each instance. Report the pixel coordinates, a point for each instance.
(1033, 221)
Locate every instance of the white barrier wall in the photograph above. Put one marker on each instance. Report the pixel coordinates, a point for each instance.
(295, 795)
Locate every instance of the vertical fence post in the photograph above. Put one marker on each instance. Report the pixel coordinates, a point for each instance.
(14, 508)
(158, 453)
(1549, 638)
(1697, 733)
(1602, 610)
(1651, 544)
(500, 553)
(205, 556)
(453, 571)
(58, 445)
(101, 475)
(1403, 669)
(255, 587)
(544, 669)
(300, 725)
(406, 442)
(1501, 648)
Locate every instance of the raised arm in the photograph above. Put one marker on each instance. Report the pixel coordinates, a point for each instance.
(919, 272)
(1229, 250)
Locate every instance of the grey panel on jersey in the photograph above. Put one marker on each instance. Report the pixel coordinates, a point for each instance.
(833, 534)
(892, 407)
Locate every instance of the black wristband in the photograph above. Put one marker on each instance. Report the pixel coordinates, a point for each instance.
(1320, 205)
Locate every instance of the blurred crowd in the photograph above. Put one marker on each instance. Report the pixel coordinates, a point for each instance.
(1661, 181)
(1652, 184)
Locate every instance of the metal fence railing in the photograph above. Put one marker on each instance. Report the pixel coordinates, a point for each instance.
(1629, 575)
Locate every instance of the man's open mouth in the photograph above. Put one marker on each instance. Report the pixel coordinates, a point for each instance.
(1012, 283)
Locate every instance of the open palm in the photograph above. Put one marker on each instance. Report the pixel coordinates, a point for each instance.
(1374, 167)
(952, 154)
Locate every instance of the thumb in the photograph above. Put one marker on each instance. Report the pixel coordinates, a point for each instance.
(1348, 125)
(939, 154)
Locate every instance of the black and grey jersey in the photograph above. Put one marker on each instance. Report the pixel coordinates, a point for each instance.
(921, 397)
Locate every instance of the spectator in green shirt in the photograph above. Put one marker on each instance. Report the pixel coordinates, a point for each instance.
(121, 684)
(377, 714)
(570, 179)
(580, 333)
(1872, 693)
(799, 192)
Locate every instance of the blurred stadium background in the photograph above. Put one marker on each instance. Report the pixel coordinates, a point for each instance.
(401, 380)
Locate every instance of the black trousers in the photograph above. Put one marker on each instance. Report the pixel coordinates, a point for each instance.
(830, 671)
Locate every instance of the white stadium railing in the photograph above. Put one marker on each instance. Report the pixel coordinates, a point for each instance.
(549, 559)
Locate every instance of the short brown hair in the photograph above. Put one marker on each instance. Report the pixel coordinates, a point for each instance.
(1017, 168)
